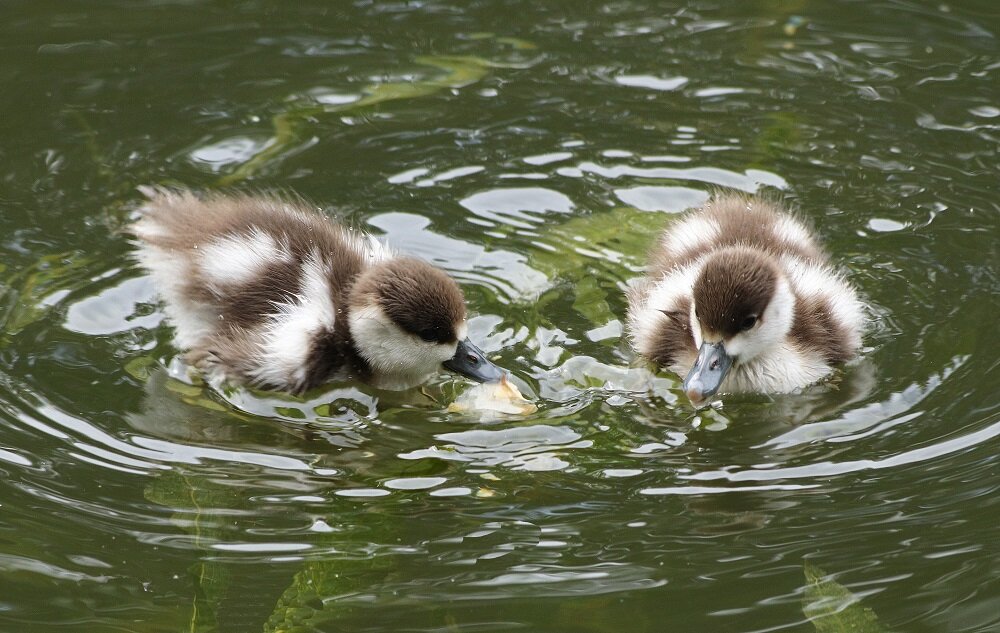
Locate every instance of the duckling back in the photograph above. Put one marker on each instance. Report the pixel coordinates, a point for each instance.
(734, 220)
(254, 286)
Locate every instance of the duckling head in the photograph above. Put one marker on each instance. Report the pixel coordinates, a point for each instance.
(742, 308)
(408, 320)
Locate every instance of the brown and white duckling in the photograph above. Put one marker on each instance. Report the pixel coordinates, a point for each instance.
(739, 297)
(270, 293)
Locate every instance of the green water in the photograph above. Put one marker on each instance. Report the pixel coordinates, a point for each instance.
(531, 149)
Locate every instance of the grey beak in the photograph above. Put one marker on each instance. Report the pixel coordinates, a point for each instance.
(470, 361)
(709, 371)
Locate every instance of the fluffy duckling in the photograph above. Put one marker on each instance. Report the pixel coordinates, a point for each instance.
(739, 297)
(270, 293)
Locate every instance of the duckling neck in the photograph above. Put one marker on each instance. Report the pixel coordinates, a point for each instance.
(395, 360)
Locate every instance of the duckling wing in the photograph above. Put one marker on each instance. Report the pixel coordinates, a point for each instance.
(829, 315)
(283, 333)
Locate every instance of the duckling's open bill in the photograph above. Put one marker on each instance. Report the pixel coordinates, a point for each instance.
(739, 297)
(269, 292)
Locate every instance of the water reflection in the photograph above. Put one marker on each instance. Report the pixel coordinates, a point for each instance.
(517, 207)
(115, 309)
(224, 154)
(505, 271)
(749, 181)
(669, 199)
(867, 420)
(536, 170)
(531, 448)
(651, 82)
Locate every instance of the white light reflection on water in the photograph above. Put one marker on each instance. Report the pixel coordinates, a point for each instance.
(517, 206)
(531, 448)
(227, 152)
(655, 198)
(749, 181)
(113, 309)
(506, 271)
(869, 418)
(831, 469)
(652, 83)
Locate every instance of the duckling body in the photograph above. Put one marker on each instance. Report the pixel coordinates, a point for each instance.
(739, 297)
(269, 292)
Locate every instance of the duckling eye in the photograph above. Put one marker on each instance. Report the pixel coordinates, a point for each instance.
(428, 335)
(748, 322)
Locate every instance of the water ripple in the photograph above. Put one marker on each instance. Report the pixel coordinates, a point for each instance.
(934, 451)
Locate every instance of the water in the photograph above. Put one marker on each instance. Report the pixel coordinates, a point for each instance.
(531, 151)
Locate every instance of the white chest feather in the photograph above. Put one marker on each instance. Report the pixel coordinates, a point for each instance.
(781, 369)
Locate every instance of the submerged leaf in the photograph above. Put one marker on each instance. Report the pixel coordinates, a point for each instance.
(195, 501)
(141, 367)
(618, 239)
(832, 608)
(35, 290)
(459, 71)
(592, 302)
(318, 592)
(605, 245)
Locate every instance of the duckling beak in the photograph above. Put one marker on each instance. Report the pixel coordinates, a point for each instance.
(708, 372)
(470, 361)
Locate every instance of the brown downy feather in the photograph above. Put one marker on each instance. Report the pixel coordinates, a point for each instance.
(181, 222)
(743, 221)
(814, 328)
(673, 338)
(724, 298)
(418, 297)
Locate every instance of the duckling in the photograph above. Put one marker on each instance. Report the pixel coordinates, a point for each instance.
(269, 293)
(739, 297)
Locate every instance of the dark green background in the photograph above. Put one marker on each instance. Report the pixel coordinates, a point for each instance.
(130, 501)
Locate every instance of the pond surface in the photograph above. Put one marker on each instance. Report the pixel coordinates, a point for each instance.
(532, 151)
